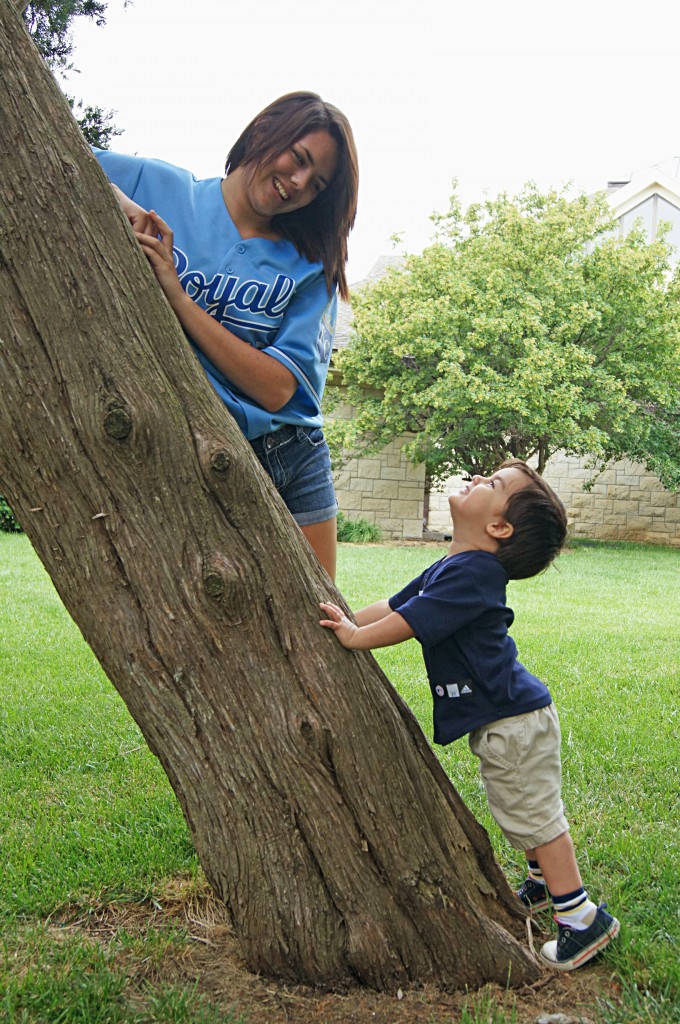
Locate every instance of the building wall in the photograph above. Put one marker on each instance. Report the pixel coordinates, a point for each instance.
(626, 502)
(439, 517)
(386, 489)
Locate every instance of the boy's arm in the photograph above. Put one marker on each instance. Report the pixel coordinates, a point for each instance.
(390, 628)
(372, 613)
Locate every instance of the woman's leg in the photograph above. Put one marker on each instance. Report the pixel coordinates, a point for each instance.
(298, 461)
(324, 540)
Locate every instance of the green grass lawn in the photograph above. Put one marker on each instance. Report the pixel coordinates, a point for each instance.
(87, 814)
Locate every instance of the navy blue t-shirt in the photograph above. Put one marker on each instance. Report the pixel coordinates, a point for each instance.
(457, 611)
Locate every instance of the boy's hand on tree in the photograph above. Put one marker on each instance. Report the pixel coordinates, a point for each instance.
(343, 628)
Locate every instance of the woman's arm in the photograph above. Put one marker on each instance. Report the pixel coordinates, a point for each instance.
(140, 219)
(256, 374)
(384, 632)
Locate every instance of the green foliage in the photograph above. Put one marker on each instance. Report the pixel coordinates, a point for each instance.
(357, 531)
(115, 825)
(52, 978)
(604, 616)
(660, 447)
(87, 815)
(96, 124)
(50, 24)
(8, 523)
(529, 326)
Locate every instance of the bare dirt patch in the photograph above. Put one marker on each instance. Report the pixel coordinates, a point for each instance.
(203, 952)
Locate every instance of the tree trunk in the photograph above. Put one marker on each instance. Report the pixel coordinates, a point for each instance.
(319, 812)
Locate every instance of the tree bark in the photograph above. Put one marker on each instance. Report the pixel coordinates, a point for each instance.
(320, 814)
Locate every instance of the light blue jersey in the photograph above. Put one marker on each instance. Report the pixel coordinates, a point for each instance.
(265, 292)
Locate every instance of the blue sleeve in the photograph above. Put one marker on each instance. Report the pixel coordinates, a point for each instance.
(406, 593)
(449, 603)
(124, 171)
(304, 341)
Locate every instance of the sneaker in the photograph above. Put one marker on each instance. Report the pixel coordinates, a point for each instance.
(533, 895)
(573, 948)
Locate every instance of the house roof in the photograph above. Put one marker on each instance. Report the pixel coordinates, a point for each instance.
(660, 179)
(344, 321)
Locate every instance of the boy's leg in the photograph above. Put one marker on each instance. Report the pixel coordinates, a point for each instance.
(558, 865)
(520, 766)
(533, 893)
(583, 928)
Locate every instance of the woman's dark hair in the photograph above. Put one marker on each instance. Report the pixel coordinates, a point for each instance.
(539, 524)
(320, 230)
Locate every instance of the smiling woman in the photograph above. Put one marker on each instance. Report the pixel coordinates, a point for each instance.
(251, 264)
(289, 181)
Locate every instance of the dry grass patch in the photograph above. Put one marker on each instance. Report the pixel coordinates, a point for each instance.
(183, 938)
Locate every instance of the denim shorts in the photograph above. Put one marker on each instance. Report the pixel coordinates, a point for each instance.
(298, 461)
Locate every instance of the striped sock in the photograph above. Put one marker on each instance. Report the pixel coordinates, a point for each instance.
(535, 873)
(574, 909)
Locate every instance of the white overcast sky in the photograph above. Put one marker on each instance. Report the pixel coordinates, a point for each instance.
(493, 94)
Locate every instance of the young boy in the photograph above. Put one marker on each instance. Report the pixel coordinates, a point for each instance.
(506, 526)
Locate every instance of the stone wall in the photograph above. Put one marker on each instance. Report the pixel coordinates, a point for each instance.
(386, 489)
(439, 516)
(626, 502)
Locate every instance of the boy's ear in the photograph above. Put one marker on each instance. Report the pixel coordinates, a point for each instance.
(500, 529)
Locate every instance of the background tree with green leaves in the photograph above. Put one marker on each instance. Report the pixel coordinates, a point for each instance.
(529, 326)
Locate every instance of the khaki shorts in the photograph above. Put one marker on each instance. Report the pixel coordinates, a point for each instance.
(519, 761)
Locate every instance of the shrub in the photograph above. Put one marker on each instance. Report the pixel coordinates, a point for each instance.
(8, 523)
(357, 531)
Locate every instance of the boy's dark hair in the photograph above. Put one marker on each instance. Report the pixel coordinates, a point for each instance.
(319, 231)
(539, 524)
